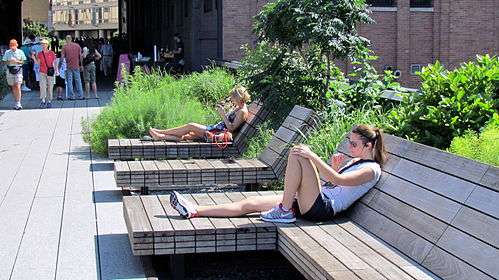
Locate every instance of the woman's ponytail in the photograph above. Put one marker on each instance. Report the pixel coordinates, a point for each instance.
(379, 147)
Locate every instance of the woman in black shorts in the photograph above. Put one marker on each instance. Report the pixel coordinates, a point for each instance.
(303, 194)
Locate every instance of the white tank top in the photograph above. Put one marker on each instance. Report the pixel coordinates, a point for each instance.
(342, 197)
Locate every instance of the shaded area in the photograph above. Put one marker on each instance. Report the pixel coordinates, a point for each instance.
(239, 265)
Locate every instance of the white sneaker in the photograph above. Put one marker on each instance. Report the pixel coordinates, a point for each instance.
(184, 207)
(25, 88)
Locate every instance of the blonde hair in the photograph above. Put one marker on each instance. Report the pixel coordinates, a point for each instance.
(374, 136)
(241, 93)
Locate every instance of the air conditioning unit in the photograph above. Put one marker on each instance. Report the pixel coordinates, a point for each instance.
(415, 68)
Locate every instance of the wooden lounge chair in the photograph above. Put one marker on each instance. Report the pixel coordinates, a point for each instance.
(433, 215)
(129, 149)
(171, 174)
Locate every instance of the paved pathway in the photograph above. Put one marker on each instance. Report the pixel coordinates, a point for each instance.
(61, 214)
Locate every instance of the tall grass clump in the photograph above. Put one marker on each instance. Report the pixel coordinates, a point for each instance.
(482, 147)
(335, 126)
(258, 142)
(156, 100)
(209, 86)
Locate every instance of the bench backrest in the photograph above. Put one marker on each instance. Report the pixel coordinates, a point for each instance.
(297, 125)
(440, 209)
(258, 113)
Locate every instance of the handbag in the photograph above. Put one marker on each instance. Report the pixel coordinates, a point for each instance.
(50, 70)
(14, 70)
(221, 138)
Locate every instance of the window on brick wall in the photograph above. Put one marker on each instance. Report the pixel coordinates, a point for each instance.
(421, 3)
(382, 3)
(208, 6)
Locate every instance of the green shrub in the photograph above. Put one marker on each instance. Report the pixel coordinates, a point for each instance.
(451, 102)
(258, 142)
(153, 100)
(335, 126)
(483, 147)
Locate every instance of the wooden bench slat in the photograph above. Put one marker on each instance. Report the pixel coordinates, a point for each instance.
(480, 255)
(335, 248)
(303, 244)
(429, 202)
(421, 223)
(440, 160)
(484, 200)
(368, 255)
(450, 267)
(434, 180)
(404, 240)
(385, 250)
(479, 225)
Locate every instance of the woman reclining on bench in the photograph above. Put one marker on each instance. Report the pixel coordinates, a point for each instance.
(192, 131)
(303, 194)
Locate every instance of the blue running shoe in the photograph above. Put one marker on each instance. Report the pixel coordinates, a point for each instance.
(184, 207)
(279, 215)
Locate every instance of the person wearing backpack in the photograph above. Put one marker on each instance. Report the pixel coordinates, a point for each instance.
(89, 57)
(46, 59)
(14, 58)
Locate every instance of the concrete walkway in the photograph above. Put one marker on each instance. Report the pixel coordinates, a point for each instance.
(61, 214)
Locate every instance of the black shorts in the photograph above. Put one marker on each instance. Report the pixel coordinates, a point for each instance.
(321, 211)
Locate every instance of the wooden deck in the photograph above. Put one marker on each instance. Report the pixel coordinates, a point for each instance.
(195, 173)
(60, 210)
(157, 229)
(433, 215)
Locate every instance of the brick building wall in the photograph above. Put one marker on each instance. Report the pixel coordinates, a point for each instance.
(36, 10)
(452, 31)
(238, 25)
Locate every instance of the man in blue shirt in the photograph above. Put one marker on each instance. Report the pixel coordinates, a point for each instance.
(14, 58)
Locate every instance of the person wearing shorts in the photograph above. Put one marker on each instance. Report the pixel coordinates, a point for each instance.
(304, 196)
(14, 58)
(89, 57)
(231, 121)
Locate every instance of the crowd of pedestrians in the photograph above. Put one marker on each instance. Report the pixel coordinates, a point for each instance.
(47, 65)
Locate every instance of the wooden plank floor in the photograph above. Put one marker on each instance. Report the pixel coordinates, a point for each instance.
(155, 228)
(339, 249)
(58, 201)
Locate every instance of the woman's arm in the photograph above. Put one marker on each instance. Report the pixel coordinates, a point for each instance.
(353, 178)
(238, 121)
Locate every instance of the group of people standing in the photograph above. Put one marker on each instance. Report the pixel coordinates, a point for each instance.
(61, 70)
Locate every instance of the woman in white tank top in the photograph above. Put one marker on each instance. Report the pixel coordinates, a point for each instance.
(304, 196)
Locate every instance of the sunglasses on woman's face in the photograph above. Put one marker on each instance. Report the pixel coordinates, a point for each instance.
(352, 143)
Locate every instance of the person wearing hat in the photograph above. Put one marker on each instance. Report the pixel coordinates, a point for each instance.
(48, 69)
(14, 58)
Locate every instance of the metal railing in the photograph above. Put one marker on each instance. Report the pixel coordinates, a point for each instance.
(382, 3)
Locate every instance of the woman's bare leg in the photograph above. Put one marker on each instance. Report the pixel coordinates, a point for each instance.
(235, 209)
(301, 181)
(159, 136)
(183, 130)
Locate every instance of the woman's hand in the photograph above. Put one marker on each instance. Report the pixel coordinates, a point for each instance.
(336, 160)
(220, 110)
(303, 151)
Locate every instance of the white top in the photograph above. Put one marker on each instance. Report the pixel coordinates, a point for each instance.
(343, 196)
